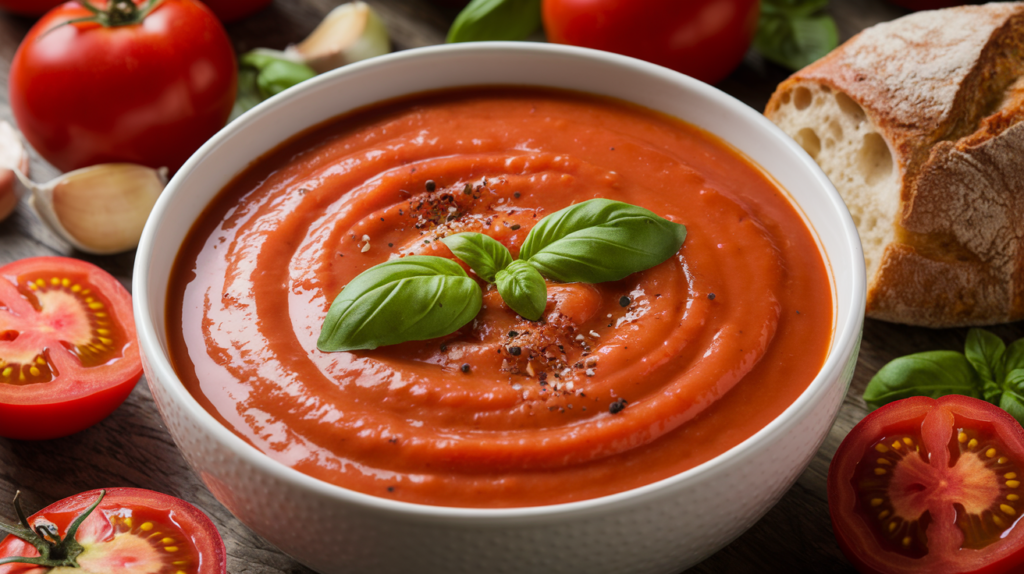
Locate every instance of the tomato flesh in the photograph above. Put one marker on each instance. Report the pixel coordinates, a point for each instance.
(133, 531)
(925, 485)
(68, 355)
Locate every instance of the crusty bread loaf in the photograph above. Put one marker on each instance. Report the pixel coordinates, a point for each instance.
(917, 122)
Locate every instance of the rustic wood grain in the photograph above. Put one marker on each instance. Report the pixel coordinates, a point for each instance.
(132, 447)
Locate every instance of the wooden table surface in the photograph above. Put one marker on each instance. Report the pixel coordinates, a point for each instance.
(132, 447)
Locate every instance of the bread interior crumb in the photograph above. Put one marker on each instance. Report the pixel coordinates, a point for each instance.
(839, 136)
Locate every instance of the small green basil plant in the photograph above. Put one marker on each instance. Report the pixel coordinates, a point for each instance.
(422, 297)
(987, 369)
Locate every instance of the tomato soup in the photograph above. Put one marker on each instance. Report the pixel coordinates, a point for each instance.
(618, 385)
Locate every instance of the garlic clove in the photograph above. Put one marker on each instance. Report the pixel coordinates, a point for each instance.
(349, 33)
(100, 209)
(12, 156)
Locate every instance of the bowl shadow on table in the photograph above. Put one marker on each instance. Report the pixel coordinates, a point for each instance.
(131, 448)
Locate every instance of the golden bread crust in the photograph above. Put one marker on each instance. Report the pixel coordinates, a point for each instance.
(945, 90)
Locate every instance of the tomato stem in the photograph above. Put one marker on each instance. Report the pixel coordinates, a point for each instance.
(53, 551)
(117, 13)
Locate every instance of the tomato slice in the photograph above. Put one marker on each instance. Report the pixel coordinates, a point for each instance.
(131, 531)
(68, 352)
(931, 485)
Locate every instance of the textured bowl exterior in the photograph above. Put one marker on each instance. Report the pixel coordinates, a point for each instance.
(659, 528)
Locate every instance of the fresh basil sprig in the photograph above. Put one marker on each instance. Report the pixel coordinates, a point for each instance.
(600, 240)
(523, 289)
(410, 299)
(484, 255)
(986, 369)
(496, 20)
(422, 297)
(795, 33)
(262, 75)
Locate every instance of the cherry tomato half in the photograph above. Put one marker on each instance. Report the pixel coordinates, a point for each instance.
(931, 485)
(131, 531)
(149, 93)
(68, 352)
(705, 39)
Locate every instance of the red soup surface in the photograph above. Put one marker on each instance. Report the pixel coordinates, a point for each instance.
(709, 347)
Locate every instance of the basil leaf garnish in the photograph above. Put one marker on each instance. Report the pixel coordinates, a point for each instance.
(930, 374)
(496, 20)
(410, 299)
(484, 255)
(523, 289)
(1013, 358)
(986, 352)
(1012, 400)
(794, 33)
(261, 75)
(600, 240)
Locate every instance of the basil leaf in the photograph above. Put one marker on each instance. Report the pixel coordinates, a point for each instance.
(485, 255)
(411, 299)
(275, 75)
(600, 240)
(523, 289)
(496, 20)
(791, 35)
(1014, 356)
(930, 374)
(986, 353)
(1012, 400)
(248, 94)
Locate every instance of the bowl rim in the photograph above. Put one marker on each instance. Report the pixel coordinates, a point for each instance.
(844, 342)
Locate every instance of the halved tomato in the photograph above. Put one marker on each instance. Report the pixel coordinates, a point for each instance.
(931, 485)
(130, 531)
(68, 352)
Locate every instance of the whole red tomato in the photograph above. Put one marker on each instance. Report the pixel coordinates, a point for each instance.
(931, 485)
(147, 89)
(116, 531)
(705, 39)
(231, 10)
(29, 7)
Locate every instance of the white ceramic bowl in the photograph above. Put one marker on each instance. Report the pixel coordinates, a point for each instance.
(659, 528)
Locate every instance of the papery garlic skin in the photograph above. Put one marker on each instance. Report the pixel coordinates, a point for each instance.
(100, 209)
(349, 33)
(12, 156)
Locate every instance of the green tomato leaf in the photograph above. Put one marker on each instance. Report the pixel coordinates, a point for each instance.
(484, 20)
(930, 374)
(600, 240)
(986, 353)
(523, 289)
(411, 299)
(1012, 400)
(791, 35)
(484, 255)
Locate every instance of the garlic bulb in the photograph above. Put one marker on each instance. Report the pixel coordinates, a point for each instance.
(12, 157)
(349, 33)
(99, 209)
